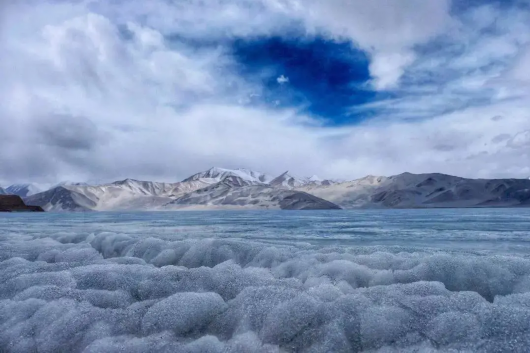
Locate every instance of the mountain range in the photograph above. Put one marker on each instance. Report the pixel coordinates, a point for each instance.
(23, 190)
(219, 188)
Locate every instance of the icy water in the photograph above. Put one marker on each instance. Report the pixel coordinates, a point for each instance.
(286, 281)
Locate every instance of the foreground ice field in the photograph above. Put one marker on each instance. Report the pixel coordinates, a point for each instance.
(114, 283)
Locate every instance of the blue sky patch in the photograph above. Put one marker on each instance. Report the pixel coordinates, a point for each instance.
(325, 78)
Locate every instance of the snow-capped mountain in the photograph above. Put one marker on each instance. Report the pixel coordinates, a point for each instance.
(69, 183)
(144, 187)
(227, 188)
(2, 192)
(218, 174)
(288, 181)
(61, 199)
(23, 190)
(130, 194)
(315, 180)
(225, 195)
(425, 190)
(121, 195)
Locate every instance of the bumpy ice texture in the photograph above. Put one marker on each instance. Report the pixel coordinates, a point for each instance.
(107, 292)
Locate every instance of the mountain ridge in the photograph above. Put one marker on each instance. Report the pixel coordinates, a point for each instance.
(23, 190)
(221, 188)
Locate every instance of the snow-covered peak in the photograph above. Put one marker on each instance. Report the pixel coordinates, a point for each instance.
(219, 174)
(135, 186)
(314, 178)
(69, 183)
(127, 182)
(287, 180)
(235, 181)
(144, 187)
(371, 180)
(23, 190)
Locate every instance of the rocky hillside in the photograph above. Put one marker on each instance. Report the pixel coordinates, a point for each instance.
(232, 193)
(13, 203)
(216, 188)
(425, 191)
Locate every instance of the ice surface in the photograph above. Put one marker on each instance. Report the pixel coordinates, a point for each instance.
(73, 289)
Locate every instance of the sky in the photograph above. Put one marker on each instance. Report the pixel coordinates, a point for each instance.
(99, 90)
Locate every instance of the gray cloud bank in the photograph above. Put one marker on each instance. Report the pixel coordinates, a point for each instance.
(99, 90)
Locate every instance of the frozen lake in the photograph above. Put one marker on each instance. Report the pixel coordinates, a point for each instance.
(341, 281)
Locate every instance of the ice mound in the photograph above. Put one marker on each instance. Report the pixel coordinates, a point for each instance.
(109, 292)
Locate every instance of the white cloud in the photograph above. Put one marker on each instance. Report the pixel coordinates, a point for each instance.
(385, 30)
(127, 102)
(387, 69)
(521, 69)
(388, 31)
(282, 80)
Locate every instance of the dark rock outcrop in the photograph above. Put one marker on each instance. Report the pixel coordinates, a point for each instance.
(13, 203)
(305, 201)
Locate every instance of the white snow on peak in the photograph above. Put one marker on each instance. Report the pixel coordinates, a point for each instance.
(69, 183)
(141, 187)
(23, 190)
(131, 194)
(218, 174)
(287, 180)
(290, 181)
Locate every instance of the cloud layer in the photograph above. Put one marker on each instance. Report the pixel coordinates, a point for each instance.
(111, 90)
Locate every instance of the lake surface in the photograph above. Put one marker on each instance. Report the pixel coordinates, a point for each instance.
(495, 230)
(266, 281)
